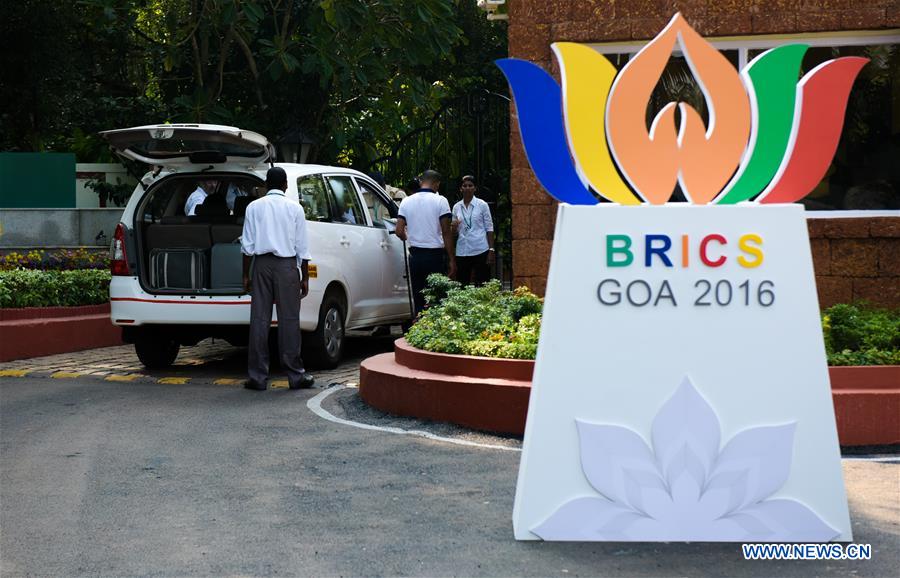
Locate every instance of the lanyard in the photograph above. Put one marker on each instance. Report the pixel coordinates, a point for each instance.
(468, 221)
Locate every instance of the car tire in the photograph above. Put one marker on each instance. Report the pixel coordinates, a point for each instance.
(156, 353)
(325, 345)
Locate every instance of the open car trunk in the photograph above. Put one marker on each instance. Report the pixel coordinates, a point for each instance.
(193, 255)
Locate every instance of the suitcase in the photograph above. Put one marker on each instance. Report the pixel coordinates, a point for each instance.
(226, 266)
(177, 268)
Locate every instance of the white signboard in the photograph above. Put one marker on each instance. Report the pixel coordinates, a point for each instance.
(681, 390)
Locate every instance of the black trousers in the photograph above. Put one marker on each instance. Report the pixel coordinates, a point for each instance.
(422, 263)
(275, 279)
(473, 269)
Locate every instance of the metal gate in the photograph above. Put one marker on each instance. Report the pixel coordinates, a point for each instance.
(469, 135)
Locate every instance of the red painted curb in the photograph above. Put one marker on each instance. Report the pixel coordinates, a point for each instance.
(464, 365)
(442, 387)
(35, 337)
(46, 312)
(867, 404)
(886, 377)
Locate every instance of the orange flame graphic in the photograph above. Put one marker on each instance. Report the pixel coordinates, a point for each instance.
(701, 159)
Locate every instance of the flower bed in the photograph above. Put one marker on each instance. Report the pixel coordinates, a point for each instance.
(48, 307)
(62, 260)
(482, 321)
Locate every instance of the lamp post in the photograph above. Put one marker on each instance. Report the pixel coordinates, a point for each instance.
(294, 145)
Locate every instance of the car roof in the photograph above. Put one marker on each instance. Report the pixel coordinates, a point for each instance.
(300, 170)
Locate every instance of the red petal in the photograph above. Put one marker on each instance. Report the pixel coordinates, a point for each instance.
(822, 102)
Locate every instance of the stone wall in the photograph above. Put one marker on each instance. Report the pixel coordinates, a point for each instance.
(46, 228)
(856, 258)
(535, 24)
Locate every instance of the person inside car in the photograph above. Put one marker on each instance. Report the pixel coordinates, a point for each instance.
(204, 188)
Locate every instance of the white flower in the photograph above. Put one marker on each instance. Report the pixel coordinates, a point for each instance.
(685, 488)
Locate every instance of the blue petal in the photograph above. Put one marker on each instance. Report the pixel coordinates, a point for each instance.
(539, 106)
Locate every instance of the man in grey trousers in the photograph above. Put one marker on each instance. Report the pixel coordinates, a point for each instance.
(276, 241)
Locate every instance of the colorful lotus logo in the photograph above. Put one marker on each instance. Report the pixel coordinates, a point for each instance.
(770, 138)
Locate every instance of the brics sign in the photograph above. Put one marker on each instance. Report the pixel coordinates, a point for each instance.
(680, 390)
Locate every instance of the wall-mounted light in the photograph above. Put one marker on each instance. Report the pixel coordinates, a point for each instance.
(496, 9)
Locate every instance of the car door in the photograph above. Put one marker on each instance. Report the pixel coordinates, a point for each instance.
(394, 282)
(359, 247)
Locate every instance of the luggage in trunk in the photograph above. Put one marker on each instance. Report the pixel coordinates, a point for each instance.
(226, 267)
(177, 268)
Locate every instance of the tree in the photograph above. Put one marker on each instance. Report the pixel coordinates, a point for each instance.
(355, 75)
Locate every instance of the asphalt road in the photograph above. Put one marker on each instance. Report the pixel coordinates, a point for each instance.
(104, 478)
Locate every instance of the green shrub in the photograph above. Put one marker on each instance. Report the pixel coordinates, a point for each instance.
(483, 321)
(860, 334)
(34, 288)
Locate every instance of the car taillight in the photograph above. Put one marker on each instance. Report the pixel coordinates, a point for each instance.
(118, 261)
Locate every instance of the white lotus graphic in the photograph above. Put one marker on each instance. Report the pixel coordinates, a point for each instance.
(685, 488)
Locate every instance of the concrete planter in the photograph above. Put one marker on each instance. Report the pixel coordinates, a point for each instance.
(476, 392)
(37, 331)
(492, 394)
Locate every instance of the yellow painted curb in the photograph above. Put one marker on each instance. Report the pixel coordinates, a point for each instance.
(228, 381)
(116, 377)
(13, 372)
(174, 380)
(66, 375)
(279, 383)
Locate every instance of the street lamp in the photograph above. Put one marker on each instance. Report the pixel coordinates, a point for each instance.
(294, 145)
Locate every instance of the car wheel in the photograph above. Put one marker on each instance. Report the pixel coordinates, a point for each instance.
(326, 343)
(156, 353)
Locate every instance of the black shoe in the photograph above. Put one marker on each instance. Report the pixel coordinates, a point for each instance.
(250, 384)
(305, 382)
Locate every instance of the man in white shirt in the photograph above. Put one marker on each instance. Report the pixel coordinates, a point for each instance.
(204, 189)
(276, 240)
(475, 234)
(424, 222)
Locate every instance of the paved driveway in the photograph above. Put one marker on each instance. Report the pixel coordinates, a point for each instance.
(103, 477)
(209, 361)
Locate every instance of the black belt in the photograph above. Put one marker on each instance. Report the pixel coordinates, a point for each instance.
(425, 249)
(274, 256)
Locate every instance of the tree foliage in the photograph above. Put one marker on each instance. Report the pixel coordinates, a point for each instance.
(352, 74)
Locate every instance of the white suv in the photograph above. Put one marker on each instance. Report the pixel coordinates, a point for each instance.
(177, 278)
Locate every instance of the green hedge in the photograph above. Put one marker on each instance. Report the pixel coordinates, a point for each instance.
(33, 288)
